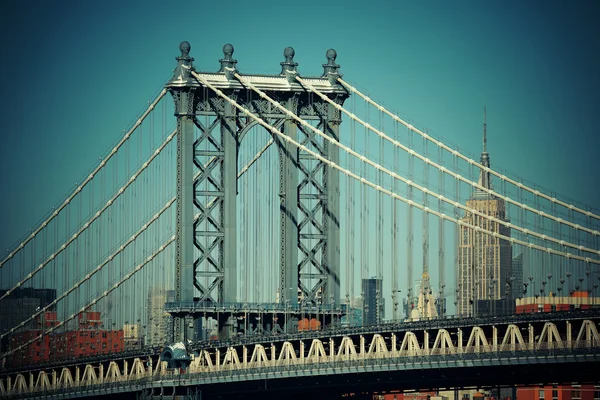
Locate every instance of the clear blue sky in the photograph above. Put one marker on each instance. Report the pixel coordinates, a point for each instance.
(76, 73)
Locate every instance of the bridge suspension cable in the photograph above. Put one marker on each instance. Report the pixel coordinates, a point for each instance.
(77, 234)
(367, 182)
(96, 299)
(399, 177)
(95, 270)
(86, 180)
(486, 169)
(129, 241)
(256, 157)
(455, 175)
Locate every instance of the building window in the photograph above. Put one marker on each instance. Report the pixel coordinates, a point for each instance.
(596, 394)
(555, 395)
(541, 394)
(575, 394)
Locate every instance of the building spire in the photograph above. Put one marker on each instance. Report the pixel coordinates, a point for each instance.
(484, 130)
(484, 176)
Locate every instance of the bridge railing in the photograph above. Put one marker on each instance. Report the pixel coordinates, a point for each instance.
(29, 387)
(391, 351)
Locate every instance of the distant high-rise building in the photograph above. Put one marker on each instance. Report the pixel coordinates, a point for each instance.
(517, 275)
(373, 305)
(19, 305)
(484, 260)
(132, 335)
(353, 310)
(160, 323)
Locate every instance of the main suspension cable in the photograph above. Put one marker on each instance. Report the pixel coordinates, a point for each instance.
(95, 270)
(406, 181)
(96, 300)
(440, 197)
(486, 169)
(94, 218)
(86, 180)
(377, 187)
(137, 234)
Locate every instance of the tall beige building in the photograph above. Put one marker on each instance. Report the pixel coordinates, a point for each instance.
(484, 261)
(159, 330)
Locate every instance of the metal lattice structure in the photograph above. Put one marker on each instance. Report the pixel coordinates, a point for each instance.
(258, 259)
(207, 181)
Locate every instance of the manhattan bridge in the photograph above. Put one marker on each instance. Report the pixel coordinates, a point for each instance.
(327, 243)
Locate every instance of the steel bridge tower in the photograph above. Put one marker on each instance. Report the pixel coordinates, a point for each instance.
(207, 169)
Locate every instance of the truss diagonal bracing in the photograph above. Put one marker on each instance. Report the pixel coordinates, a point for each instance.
(210, 131)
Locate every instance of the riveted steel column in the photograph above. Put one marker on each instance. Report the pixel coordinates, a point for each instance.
(185, 210)
(288, 184)
(332, 211)
(230, 148)
(183, 88)
(185, 196)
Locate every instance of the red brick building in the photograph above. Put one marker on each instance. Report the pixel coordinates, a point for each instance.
(558, 392)
(577, 301)
(87, 340)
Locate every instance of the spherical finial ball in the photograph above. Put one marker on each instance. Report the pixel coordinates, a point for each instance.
(185, 47)
(289, 52)
(331, 54)
(228, 49)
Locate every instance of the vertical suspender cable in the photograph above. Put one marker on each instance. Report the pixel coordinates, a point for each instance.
(441, 245)
(410, 236)
(363, 238)
(66, 264)
(425, 279)
(460, 291)
(379, 227)
(257, 232)
(347, 244)
(352, 213)
(394, 232)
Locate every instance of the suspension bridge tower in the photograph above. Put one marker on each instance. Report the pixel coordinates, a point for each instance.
(207, 168)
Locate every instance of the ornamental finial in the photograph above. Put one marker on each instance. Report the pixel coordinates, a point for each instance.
(330, 70)
(181, 74)
(185, 48)
(289, 64)
(227, 61)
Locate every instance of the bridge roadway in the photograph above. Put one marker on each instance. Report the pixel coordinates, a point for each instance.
(517, 350)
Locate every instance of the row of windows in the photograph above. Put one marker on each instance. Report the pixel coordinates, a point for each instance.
(575, 394)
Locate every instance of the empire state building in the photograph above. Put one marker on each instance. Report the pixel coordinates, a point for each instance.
(484, 261)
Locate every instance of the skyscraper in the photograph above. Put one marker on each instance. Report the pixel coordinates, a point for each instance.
(19, 305)
(517, 274)
(484, 261)
(373, 304)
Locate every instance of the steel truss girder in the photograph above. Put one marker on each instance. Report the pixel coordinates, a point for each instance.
(525, 339)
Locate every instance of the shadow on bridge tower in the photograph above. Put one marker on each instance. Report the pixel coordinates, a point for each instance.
(207, 168)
